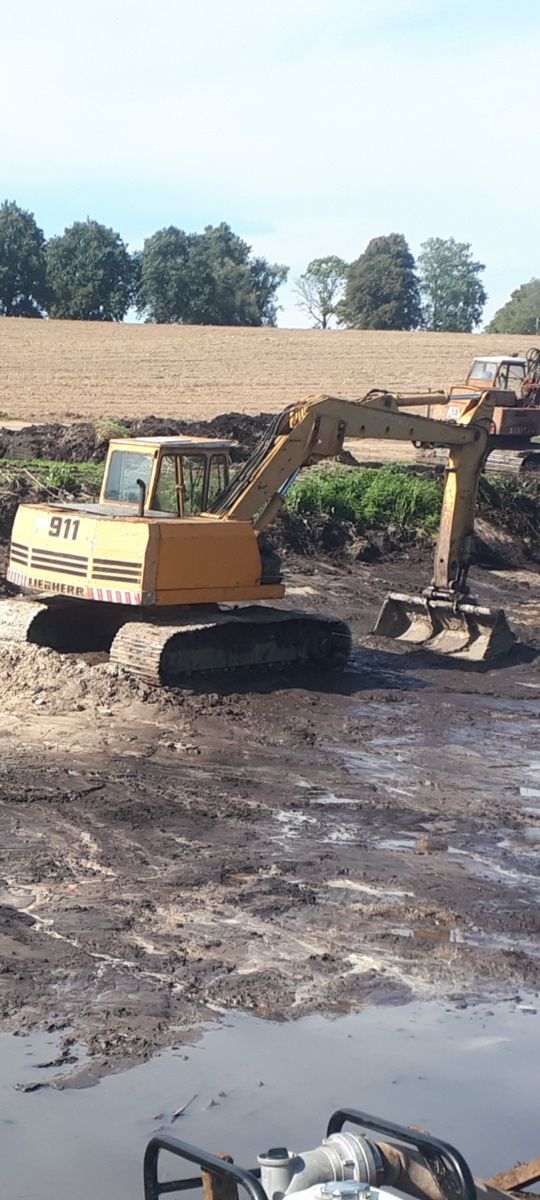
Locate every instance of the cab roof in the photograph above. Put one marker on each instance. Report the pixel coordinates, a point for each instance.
(500, 358)
(175, 444)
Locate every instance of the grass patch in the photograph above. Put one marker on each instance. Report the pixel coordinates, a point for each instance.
(373, 498)
(59, 476)
(109, 428)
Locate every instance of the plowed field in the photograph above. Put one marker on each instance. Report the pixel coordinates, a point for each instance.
(63, 369)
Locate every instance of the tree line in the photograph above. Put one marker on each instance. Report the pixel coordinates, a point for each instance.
(386, 289)
(213, 278)
(88, 274)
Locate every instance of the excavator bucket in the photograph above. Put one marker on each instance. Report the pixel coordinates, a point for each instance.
(469, 631)
(407, 618)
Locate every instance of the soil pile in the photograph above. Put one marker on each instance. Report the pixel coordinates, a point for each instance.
(71, 682)
(507, 532)
(87, 442)
(324, 536)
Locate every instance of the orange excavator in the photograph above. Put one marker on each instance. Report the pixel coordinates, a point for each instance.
(513, 382)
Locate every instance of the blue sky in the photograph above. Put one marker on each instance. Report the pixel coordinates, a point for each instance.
(309, 126)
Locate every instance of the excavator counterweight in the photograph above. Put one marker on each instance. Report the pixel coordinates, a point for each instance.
(164, 570)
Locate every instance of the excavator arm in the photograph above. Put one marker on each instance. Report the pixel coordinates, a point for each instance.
(445, 618)
(317, 428)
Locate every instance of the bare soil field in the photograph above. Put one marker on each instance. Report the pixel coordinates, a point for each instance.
(69, 369)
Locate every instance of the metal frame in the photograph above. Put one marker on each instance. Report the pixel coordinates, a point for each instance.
(434, 1150)
(153, 1189)
(430, 1147)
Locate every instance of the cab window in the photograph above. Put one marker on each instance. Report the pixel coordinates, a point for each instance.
(218, 477)
(167, 497)
(193, 471)
(485, 371)
(512, 376)
(125, 468)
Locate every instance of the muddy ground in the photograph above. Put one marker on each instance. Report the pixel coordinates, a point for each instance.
(278, 844)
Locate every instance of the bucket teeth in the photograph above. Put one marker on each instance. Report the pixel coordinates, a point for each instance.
(469, 632)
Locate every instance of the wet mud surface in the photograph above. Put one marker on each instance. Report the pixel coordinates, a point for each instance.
(276, 845)
(469, 1077)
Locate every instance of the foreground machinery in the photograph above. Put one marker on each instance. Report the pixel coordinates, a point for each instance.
(163, 569)
(384, 1162)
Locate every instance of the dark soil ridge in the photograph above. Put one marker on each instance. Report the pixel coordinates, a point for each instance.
(87, 442)
(508, 534)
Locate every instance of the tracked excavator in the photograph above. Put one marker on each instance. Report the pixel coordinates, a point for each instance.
(514, 384)
(164, 569)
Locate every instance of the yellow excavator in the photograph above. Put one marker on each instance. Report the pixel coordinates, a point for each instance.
(163, 570)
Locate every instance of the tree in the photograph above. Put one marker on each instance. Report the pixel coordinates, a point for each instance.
(90, 274)
(320, 288)
(453, 293)
(266, 278)
(206, 278)
(521, 313)
(382, 288)
(23, 291)
(163, 270)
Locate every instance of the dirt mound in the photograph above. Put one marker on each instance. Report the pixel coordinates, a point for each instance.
(59, 443)
(233, 426)
(39, 675)
(87, 442)
(325, 536)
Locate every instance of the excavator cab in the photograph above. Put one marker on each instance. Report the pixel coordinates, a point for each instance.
(164, 476)
(505, 374)
(513, 382)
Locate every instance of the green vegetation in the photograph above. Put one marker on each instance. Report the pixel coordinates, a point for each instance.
(453, 295)
(213, 278)
(393, 496)
(59, 476)
(208, 278)
(320, 287)
(521, 313)
(23, 290)
(373, 498)
(90, 274)
(110, 428)
(382, 287)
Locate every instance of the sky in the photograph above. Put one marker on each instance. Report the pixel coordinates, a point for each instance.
(309, 126)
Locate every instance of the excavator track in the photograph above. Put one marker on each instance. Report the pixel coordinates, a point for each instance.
(163, 654)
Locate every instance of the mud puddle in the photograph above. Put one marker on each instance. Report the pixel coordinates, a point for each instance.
(469, 1076)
